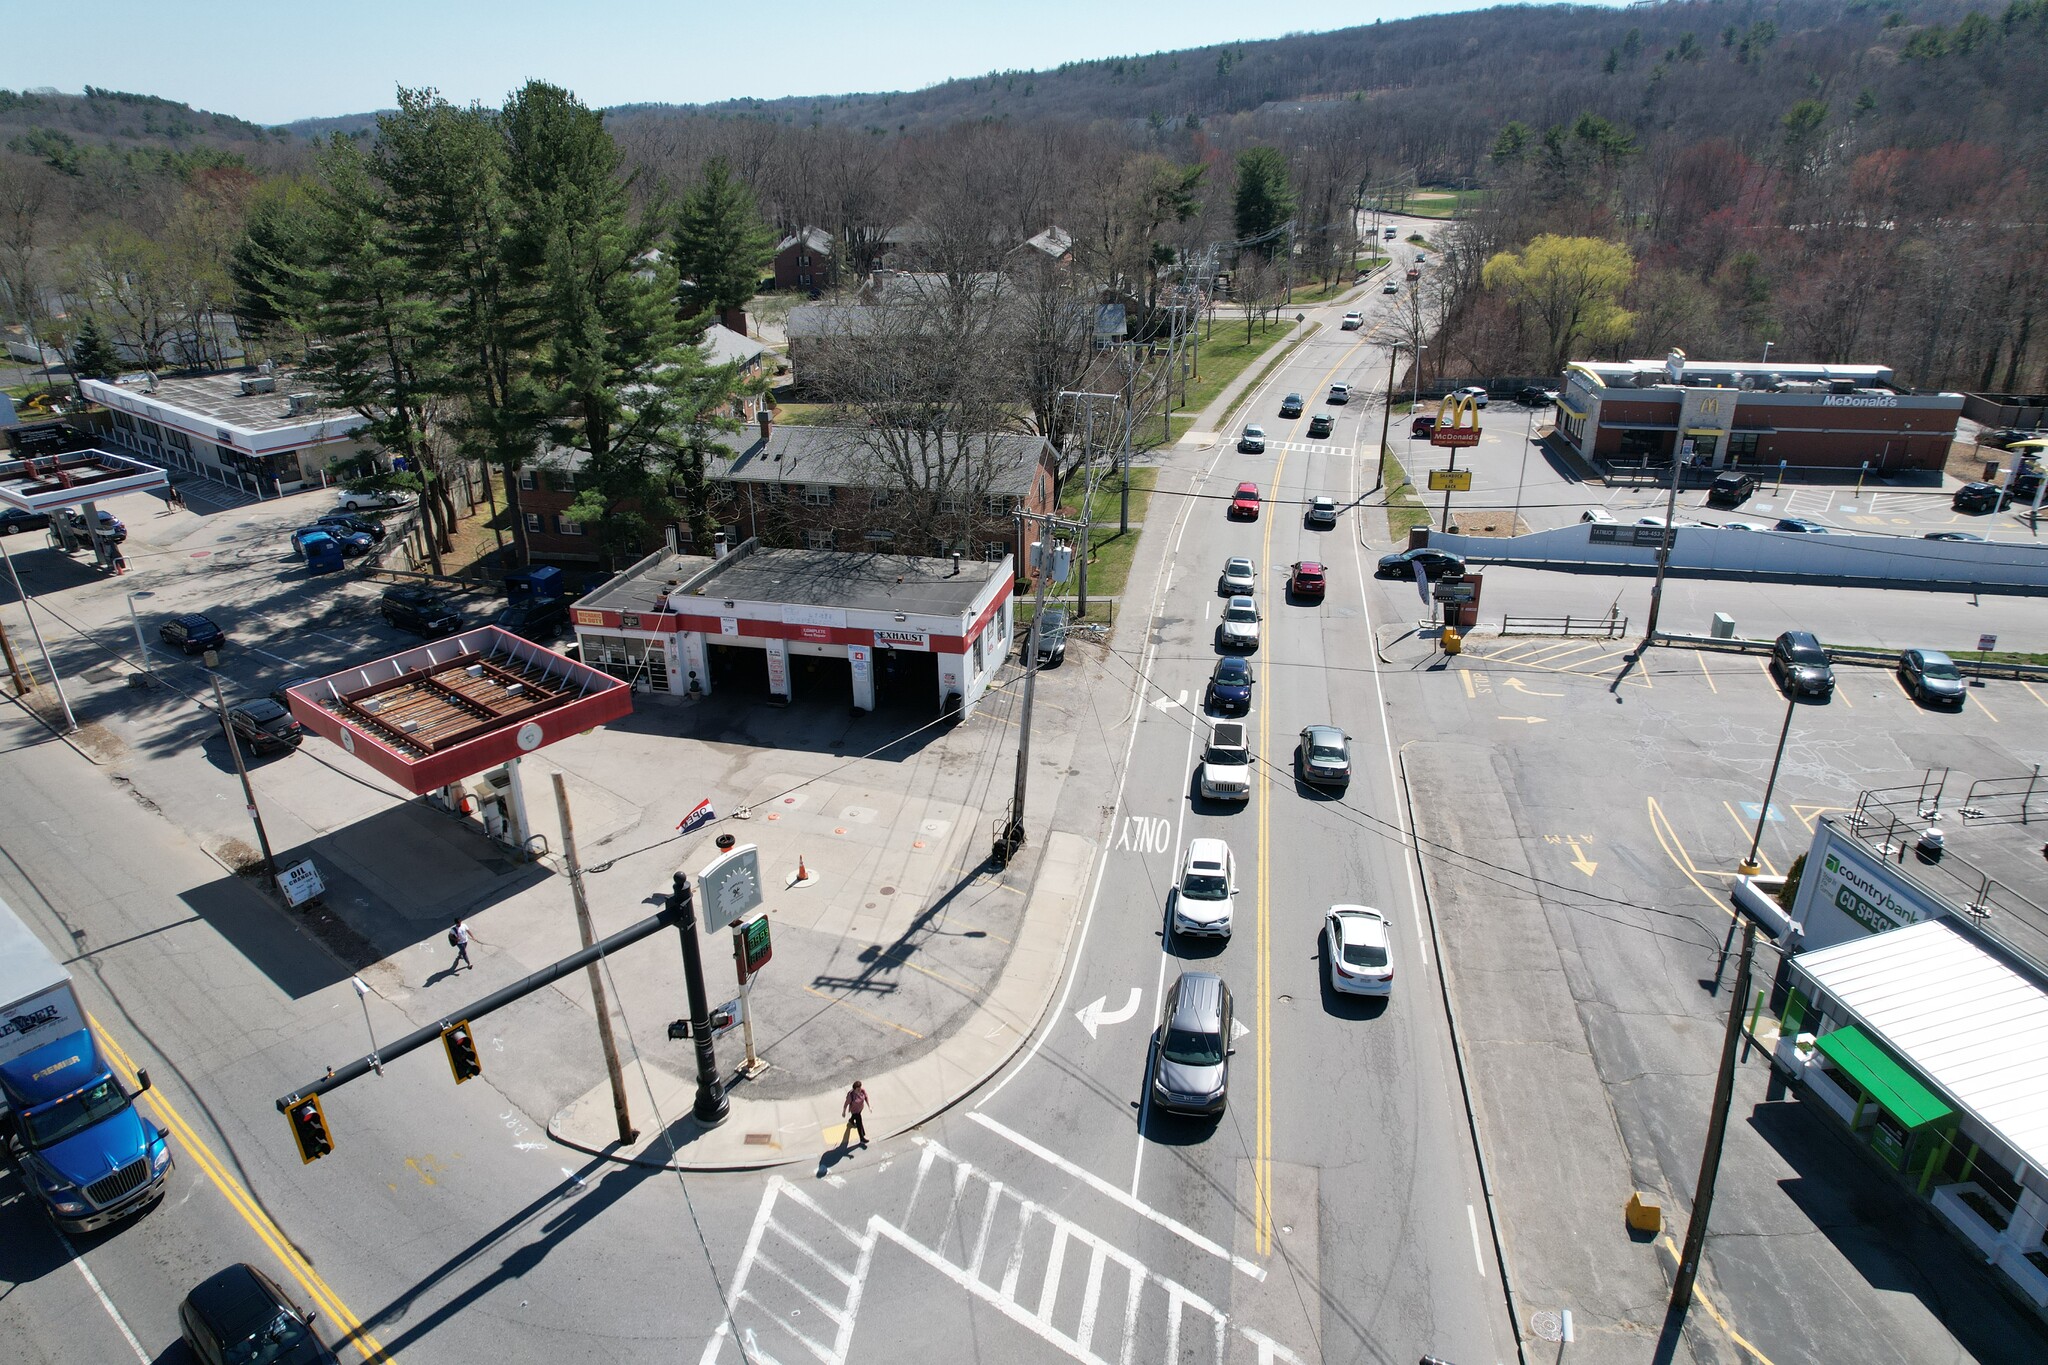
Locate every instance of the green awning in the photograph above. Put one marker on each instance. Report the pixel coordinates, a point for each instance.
(1883, 1079)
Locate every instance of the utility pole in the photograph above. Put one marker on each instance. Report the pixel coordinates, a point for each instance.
(1044, 562)
(711, 1108)
(23, 682)
(1717, 1129)
(606, 1043)
(248, 793)
(1379, 462)
(1664, 544)
(70, 721)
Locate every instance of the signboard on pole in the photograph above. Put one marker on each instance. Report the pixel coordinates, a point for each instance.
(731, 885)
(725, 1018)
(1986, 643)
(1450, 480)
(1456, 590)
(751, 947)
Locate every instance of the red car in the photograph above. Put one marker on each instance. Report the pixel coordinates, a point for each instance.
(1307, 579)
(1246, 502)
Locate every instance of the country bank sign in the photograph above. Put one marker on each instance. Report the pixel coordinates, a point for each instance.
(1864, 893)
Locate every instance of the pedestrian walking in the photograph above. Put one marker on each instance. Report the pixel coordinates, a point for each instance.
(458, 939)
(856, 1104)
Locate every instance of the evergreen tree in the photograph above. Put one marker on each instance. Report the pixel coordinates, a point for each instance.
(1264, 198)
(721, 243)
(91, 355)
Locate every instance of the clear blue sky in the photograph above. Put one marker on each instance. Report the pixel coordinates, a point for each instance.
(272, 63)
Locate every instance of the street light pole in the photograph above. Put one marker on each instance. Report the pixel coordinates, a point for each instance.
(1379, 462)
(227, 728)
(70, 721)
(141, 645)
(1750, 866)
(1717, 1129)
(1664, 545)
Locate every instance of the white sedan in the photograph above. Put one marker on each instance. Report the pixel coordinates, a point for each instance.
(373, 500)
(1240, 577)
(1358, 950)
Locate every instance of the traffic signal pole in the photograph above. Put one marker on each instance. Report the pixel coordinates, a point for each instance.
(546, 976)
(711, 1107)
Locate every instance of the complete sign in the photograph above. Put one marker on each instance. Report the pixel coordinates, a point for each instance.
(1450, 480)
(751, 947)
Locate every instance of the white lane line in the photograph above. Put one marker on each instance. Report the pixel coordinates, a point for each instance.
(1104, 1188)
(92, 1282)
(1049, 1291)
(1165, 955)
(258, 649)
(1478, 1256)
(1144, 683)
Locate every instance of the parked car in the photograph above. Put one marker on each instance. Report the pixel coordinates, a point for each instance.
(1954, 535)
(1253, 442)
(14, 519)
(352, 543)
(1190, 1063)
(373, 500)
(419, 610)
(264, 725)
(1244, 503)
(1473, 392)
(191, 634)
(2001, 438)
(238, 1316)
(1979, 497)
(1435, 564)
(1358, 951)
(1352, 322)
(1320, 425)
(1803, 526)
(1227, 761)
(111, 527)
(1290, 406)
(349, 521)
(1204, 897)
(1599, 516)
(1422, 428)
(1307, 580)
(1322, 511)
(536, 621)
(1340, 392)
(1932, 677)
(1240, 626)
(1731, 488)
(1052, 637)
(1322, 756)
(1230, 686)
(1535, 396)
(1240, 575)
(1800, 664)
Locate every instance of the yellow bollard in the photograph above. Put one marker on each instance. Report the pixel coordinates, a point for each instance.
(1453, 642)
(1644, 1215)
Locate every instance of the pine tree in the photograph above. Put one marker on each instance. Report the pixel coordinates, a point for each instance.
(91, 356)
(1264, 198)
(721, 243)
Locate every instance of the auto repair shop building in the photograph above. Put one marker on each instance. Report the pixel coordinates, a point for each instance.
(882, 629)
(1756, 416)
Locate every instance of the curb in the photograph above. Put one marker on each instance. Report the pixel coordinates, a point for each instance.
(1058, 891)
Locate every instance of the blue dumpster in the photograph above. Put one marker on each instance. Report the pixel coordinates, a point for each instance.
(322, 551)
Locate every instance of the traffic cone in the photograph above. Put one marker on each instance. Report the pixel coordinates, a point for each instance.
(803, 874)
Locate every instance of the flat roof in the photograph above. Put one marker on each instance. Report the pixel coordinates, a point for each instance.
(1974, 1025)
(217, 399)
(67, 478)
(851, 580)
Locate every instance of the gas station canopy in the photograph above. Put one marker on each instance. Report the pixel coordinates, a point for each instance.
(440, 712)
(67, 478)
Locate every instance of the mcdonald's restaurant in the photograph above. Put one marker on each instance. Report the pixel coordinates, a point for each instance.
(1754, 416)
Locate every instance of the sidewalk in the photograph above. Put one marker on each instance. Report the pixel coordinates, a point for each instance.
(767, 1132)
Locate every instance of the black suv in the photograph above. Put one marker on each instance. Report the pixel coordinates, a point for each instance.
(1290, 406)
(1319, 425)
(419, 610)
(239, 1314)
(1535, 396)
(193, 634)
(1979, 497)
(1802, 665)
(1731, 488)
(264, 725)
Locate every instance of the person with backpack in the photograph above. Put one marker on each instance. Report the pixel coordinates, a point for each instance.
(458, 939)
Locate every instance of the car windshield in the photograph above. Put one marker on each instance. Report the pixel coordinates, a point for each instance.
(1236, 613)
(1933, 667)
(1224, 754)
(1364, 955)
(260, 711)
(1807, 653)
(73, 1114)
(1205, 886)
(1233, 671)
(1238, 566)
(1186, 1047)
(276, 1340)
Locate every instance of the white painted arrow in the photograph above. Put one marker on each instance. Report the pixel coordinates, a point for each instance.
(1168, 703)
(1093, 1016)
(1238, 1029)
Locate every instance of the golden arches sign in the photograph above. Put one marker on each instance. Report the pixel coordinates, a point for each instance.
(1457, 421)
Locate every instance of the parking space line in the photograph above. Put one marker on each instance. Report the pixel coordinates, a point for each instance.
(1706, 672)
(1667, 839)
(2032, 693)
(1746, 829)
(872, 1018)
(1471, 694)
(1715, 1313)
(1987, 710)
(1559, 651)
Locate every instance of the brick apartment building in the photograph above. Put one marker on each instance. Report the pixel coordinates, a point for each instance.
(803, 261)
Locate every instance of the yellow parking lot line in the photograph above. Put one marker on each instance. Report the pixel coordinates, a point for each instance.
(1466, 678)
(1705, 672)
(1985, 709)
(2035, 695)
(871, 1018)
(1667, 839)
(1704, 1302)
(1561, 651)
(240, 1200)
(1748, 829)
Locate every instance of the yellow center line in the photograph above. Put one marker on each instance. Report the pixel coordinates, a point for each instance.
(240, 1200)
(1262, 1122)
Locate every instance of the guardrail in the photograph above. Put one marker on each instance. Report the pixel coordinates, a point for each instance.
(1863, 658)
(1606, 627)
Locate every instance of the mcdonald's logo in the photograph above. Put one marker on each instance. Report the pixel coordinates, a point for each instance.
(1457, 421)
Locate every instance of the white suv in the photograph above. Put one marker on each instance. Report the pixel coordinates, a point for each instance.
(1227, 763)
(1208, 879)
(1240, 627)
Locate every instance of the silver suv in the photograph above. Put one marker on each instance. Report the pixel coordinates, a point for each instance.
(1227, 763)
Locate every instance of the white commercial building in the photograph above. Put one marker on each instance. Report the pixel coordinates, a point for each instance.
(263, 433)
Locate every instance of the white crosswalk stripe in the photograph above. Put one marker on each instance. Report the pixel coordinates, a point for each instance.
(1074, 1290)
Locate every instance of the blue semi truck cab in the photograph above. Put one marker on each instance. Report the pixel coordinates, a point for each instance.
(77, 1138)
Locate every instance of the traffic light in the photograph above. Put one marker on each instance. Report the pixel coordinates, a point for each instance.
(309, 1129)
(461, 1045)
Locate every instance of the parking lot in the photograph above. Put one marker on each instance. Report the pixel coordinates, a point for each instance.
(1583, 813)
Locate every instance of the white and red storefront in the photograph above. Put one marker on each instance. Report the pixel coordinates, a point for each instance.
(805, 625)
